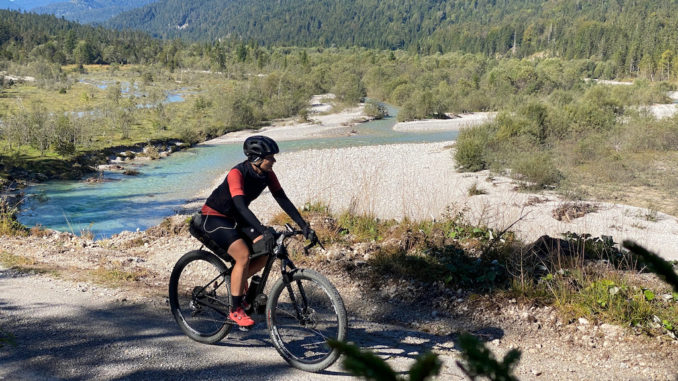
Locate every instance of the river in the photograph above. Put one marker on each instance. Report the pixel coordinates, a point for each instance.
(139, 202)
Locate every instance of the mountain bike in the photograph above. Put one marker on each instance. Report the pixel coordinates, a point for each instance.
(302, 309)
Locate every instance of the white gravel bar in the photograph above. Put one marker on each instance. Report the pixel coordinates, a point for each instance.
(453, 124)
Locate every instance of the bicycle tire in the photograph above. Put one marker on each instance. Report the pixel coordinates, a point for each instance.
(303, 343)
(192, 272)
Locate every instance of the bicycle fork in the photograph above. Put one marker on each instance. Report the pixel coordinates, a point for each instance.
(301, 311)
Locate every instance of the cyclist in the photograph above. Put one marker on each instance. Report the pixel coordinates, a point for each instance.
(228, 221)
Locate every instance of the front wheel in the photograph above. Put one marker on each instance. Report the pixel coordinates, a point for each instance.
(302, 315)
(200, 295)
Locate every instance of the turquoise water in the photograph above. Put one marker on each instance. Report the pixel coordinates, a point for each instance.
(138, 202)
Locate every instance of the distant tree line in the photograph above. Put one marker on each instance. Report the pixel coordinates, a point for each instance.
(27, 37)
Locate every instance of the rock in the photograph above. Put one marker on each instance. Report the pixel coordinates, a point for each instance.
(583, 321)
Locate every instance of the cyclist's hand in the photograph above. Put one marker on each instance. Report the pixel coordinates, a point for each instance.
(266, 244)
(309, 233)
(268, 239)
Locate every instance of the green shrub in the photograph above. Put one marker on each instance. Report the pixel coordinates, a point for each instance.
(537, 168)
(471, 146)
(375, 110)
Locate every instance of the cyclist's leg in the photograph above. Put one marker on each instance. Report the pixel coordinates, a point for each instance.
(225, 233)
(259, 262)
(256, 265)
(241, 253)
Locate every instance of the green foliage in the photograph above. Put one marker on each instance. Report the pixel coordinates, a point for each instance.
(65, 136)
(32, 37)
(367, 365)
(90, 11)
(480, 363)
(364, 228)
(349, 88)
(609, 300)
(537, 168)
(471, 146)
(8, 222)
(375, 110)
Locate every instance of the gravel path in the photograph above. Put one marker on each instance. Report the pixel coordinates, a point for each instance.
(66, 330)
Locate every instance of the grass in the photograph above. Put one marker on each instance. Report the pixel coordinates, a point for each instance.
(643, 179)
(8, 224)
(14, 261)
(25, 264)
(113, 277)
(109, 277)
(86, 97)
(607, 296)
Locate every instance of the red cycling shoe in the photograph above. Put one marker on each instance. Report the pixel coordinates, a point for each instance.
(240, 318)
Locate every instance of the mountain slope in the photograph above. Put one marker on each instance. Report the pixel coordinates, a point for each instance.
(90, 11)
(624, 30)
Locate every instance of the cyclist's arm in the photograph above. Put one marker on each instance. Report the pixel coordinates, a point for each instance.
(236, 187)
(289, 208)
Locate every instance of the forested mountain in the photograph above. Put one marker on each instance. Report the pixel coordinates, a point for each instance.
(90, 11)
(29, 36)
(632, 33)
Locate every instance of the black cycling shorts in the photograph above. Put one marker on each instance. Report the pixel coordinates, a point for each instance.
(224, 231)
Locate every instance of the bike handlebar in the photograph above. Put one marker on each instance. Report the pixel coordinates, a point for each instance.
(291, 232)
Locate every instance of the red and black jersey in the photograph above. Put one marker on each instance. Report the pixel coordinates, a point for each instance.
(242, 186)
(242, 180)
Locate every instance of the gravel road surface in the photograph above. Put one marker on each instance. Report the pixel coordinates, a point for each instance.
(65, 330)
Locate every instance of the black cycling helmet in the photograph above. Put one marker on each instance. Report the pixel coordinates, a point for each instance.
(258, 146)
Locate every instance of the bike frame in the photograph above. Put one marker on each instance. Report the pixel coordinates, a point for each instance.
(279, 252)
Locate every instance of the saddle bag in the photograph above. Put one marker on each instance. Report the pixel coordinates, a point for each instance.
(196, 230)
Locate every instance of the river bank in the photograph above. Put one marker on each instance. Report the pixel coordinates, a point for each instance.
(455, 122)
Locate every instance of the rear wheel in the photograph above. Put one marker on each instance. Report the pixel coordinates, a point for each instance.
(302, 315)
(200, 295)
